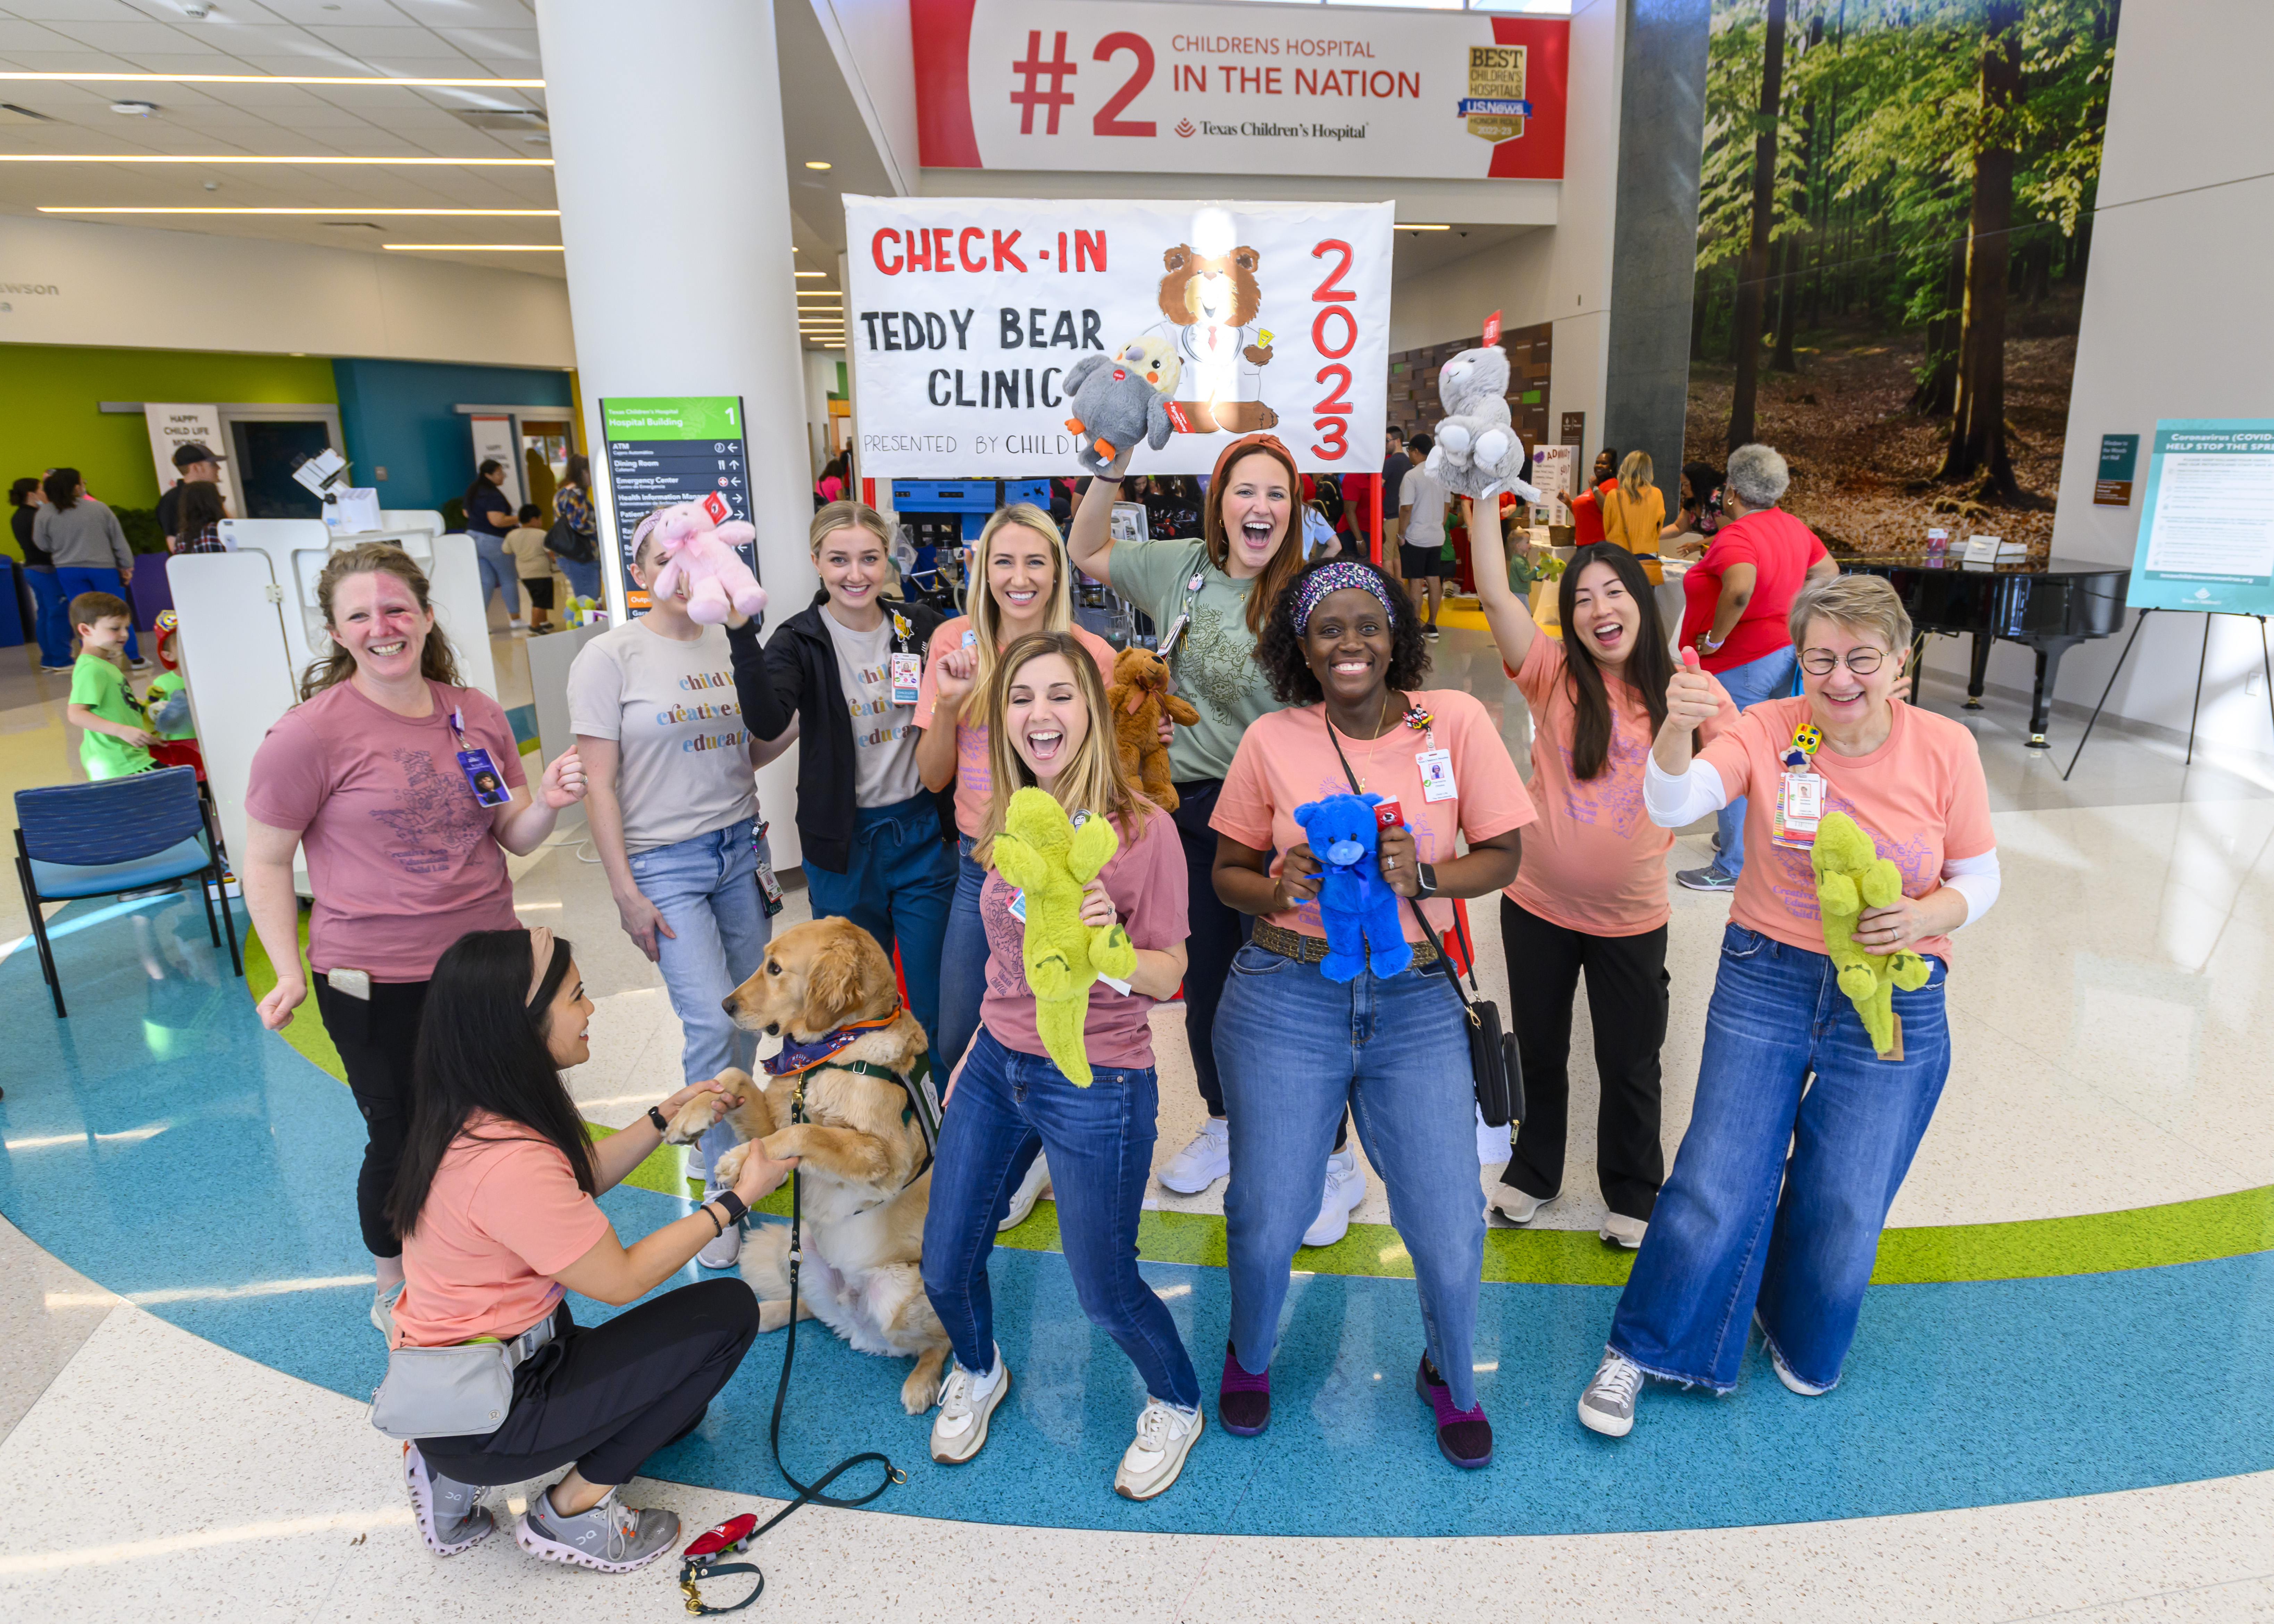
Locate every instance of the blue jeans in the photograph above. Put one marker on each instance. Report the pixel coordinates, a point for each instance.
(1769, 677)
(1292, 1047)
(707, 890)
(51, 622)
(583, 579)
(72, 580)
(498, 574)
(897, 888)
(1722, 1240)
(963, 961)
(1100, 1143)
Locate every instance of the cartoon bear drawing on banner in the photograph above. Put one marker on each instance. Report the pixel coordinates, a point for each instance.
(1209, 298)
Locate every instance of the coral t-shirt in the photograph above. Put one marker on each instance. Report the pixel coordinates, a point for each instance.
(503, 1215)
(1146, 881)
(1596, 863)
(1781, 549)
(1920, 796)
(971, 775)
(1286, 760)
(401, 857)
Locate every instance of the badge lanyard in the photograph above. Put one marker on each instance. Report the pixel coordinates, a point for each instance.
(907, 666)
(1800, 792)
(482, 775)
(1177, 626)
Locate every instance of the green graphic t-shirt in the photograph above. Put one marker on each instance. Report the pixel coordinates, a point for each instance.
(101, 688)
(1214, 661)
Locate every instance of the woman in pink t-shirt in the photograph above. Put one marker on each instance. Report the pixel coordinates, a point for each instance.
(1592, 893)
(378, 774)
(496, 1203)
(1048, 726)
(1295, 1047)
(1772, 1215)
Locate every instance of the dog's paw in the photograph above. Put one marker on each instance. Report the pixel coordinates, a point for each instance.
(728, 1167)
(694, 1118)
(773, 1316)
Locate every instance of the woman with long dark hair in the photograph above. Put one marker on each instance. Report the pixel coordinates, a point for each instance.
(495, 1201)
(88, 547)
(51, 621)
(1591, 895)
(489, 515)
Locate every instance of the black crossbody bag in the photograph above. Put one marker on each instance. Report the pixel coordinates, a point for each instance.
(1494, 1063)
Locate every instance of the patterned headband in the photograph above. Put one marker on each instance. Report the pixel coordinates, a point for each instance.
(1339, 576)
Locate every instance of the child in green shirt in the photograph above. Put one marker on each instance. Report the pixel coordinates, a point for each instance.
(115, 739)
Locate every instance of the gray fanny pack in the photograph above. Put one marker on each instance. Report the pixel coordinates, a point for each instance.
(462, 1390)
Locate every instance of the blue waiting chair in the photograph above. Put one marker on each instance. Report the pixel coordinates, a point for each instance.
(119, 835)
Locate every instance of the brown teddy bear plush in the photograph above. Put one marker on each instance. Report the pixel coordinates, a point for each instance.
(1140, 697)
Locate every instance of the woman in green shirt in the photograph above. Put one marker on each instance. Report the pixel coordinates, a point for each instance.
(1209, 599)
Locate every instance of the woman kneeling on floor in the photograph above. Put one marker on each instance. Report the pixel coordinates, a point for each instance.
(1772, 1215)
(495, 1205)
(1047, 727)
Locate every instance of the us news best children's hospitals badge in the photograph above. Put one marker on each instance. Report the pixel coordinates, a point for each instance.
(1495, 107)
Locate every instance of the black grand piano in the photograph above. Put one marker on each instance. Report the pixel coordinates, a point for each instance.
(2049, 605)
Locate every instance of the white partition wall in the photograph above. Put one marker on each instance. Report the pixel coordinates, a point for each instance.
(237, 662)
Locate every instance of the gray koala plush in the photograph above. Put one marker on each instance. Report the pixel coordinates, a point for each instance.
(1118, 401)
(1477, 449)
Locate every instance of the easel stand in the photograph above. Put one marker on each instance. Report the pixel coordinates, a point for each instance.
(2265, 662)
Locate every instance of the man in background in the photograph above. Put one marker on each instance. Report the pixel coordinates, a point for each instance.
(1422, 534)
(1395, 466)
(191, 461)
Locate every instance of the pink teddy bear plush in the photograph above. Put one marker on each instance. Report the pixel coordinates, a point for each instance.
(703, 557)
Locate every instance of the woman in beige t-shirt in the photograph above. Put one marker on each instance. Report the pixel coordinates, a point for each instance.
(1634, 512)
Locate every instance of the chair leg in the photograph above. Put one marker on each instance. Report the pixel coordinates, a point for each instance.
(207, 888)
(229, 922)
(39, 933)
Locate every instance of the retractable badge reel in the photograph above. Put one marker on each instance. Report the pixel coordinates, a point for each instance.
(1800, 792)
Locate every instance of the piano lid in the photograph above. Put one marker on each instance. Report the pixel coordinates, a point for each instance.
(1954, 563)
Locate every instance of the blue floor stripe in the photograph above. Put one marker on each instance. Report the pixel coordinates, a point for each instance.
(160, 1142)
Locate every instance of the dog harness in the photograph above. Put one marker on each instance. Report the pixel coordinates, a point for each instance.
(796, 1060)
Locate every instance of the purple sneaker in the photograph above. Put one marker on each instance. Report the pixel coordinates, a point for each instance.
(1464, 1436)
(1243, 1403)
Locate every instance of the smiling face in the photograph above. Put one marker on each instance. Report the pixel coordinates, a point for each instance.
(851, 561)
(1046, 715)
(1841, 698)
(376, 618)
(1604, 469)
(1346, 644)
(1258, 502)
(1605, 614)
(569, 1021)
(1022, 574)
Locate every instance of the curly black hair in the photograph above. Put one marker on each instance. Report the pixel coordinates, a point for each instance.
(1279, 650)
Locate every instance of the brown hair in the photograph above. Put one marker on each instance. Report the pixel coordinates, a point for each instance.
(88, 608)
(437, 662)
(1093, 780)
(1286, 562)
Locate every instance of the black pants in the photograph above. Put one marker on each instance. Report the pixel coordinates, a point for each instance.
(1626, 1006)
(610, 1398)
(376, 1039)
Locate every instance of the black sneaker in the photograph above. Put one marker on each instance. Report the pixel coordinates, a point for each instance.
(1705, 879)
(1243, 1401)
(1464, 1436)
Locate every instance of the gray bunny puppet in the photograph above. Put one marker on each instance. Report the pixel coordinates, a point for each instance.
(1478, 450)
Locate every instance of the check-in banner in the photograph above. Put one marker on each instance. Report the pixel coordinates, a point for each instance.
(966, 314)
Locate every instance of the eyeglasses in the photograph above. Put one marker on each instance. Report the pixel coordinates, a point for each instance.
(1823, 662)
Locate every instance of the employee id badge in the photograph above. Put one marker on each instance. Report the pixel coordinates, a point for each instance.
(1436, 775)
(1169, 638)
(481, 772)
(1799, 809)
(907, 679)
(1018, 908)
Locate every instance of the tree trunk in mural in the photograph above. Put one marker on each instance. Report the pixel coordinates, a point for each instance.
(1977, 428)
(1752, 278)
(1938, 388)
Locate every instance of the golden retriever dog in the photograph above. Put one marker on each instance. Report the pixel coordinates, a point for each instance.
(863, 1216)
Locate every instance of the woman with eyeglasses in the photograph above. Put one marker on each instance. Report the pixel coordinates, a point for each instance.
(1772, 1211)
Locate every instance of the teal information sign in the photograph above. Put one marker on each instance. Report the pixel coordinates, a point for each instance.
(2207, 522)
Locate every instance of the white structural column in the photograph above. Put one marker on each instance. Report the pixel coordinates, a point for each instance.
(675, 214)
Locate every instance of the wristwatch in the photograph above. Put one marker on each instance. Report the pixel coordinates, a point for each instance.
(661, 1126)
(1427, 873)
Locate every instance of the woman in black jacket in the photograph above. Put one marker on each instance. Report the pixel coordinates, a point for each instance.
(879, 847)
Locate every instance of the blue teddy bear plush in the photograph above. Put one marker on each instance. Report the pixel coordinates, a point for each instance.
(1355, 902)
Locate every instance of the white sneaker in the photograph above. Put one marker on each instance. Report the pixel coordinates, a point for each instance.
(1165, 1435)
(1345, 1189)
(1627, 1232)
(516, 625)
(1201, 1163)
(1516, 1206)
(382, 1308)
(1492, 1143)
(965, 1402)
(723, 1250)
(1029, 1189)
(1783, 1371)
(1607, 1406)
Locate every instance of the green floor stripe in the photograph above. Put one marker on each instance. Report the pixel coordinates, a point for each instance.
(307, 1032)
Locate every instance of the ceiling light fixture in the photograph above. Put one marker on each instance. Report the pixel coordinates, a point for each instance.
(809, 273)
(1401, 226)
(472, 247)
(106, 208)
(135, 109)
(266, 78)
(815, 163)
(314, 159)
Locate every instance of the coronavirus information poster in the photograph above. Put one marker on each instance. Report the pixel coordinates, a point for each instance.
(2207, 522)
(966, 314)
(664, 449)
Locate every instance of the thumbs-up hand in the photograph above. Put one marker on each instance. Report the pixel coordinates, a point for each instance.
(1692, 698)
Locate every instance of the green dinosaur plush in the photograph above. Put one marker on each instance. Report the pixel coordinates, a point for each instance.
(1850, 876)
(1041, 853)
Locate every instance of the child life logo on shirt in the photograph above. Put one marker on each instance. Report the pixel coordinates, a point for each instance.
(875, 680)
(1612, 798)
(679, 716)
(434, 818)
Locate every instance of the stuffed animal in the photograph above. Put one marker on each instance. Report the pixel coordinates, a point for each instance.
(1119, 402)
(1355, 903)
(703, 555)
(1476, 447)
(1041, 853)
(1140, 697)
(1850, 876)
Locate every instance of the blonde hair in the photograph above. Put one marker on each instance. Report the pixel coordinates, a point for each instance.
(1093, 779)
(986, 624)
(437, 662)
(848, 515)
(1635, 473)
(1867, 605)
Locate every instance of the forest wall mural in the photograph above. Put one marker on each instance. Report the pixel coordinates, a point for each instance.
(1894, 223)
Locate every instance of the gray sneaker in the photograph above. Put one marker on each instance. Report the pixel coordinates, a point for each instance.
(1708, 878)
(611, 1537)
(450, 1514)
(1607, 1406)
(724, 1250)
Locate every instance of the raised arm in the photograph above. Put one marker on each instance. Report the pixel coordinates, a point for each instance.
(1089, 540)
(769, 684)
(1507, 614)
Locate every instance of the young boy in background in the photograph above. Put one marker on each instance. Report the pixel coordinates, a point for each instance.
(534, 565)
(114, 741)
